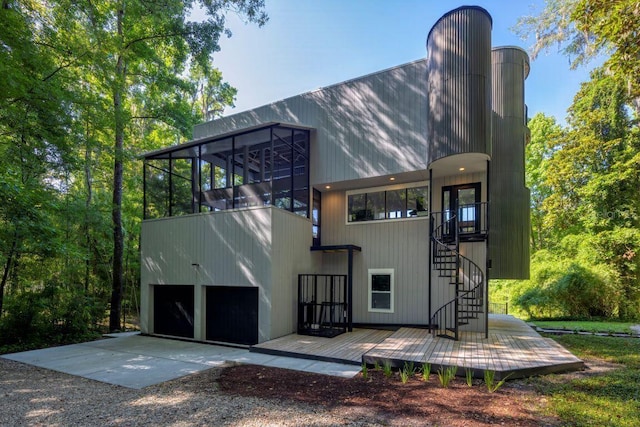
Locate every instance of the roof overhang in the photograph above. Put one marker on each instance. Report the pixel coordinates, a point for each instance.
(207, 139)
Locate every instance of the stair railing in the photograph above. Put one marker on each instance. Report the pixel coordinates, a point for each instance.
(467, 276)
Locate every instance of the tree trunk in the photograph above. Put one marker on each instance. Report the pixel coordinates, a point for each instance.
(7, 268)
(116, 214)
(87, 225)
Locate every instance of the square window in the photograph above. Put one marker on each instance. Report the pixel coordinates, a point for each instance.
(381, 290)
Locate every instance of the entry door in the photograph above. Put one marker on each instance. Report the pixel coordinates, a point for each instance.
(465, 200)
(232, 314)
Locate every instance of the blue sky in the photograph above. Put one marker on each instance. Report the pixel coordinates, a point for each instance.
(308, 44)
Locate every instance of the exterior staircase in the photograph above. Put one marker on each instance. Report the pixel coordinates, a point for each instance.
(456, 271)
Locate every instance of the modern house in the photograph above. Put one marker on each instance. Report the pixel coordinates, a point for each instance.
(387, 200)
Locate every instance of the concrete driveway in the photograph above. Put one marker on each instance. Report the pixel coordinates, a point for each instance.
(135, 361)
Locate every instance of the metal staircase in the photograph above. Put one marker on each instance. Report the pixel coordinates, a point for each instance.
(457, 271)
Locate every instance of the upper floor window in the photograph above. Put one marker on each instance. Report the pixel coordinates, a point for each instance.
(387, 203)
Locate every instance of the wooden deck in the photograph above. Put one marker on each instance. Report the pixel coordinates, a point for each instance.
(513, 348)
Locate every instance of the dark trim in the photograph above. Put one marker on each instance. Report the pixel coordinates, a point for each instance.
(431, 224)
(273, 352)
(461, 8)
(487, 257)
(336, 248)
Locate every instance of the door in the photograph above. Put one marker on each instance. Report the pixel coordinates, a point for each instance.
(463, 201)
(173, 310)
(232, 314)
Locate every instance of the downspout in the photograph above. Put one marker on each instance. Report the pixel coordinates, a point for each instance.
(487, 261)
(429, 241)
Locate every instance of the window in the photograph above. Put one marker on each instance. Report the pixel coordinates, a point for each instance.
(388, 203)
(381, 290)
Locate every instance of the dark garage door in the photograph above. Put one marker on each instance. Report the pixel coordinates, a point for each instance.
(232, 314)
(173, 310)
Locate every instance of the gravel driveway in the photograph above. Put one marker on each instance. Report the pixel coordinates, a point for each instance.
(32, 396)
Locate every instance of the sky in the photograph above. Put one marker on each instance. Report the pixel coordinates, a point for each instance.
(309, 44)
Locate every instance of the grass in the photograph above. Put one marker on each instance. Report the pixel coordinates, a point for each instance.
(586, 326)
(608, 399)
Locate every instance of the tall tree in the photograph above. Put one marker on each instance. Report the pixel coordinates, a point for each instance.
(142, 47)
(584, 29)
(545, 136)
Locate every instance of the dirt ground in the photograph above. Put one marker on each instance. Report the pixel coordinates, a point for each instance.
(390, 401)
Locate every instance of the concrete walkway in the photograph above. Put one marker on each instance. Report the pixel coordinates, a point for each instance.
(135, 361)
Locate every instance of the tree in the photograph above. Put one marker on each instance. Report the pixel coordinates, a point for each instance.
(545, 136)
(584, 29)
(139, 52)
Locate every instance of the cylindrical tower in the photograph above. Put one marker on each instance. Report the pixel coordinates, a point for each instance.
(509, 204)
(459, 82)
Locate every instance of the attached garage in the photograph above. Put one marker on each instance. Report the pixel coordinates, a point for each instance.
(173, 310)
(232, 314)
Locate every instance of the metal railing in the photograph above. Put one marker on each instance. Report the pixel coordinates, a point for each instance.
(464, 274)
(322, 304)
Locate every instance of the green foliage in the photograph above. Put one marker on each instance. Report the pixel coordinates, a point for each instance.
(386, 368)
(426, 371)
(86, 86)
(489, 380)
(407, 371)
(586, 325)
(404, 376)
(468, 373)
(365, 371)
(446, 375)
(585, 29)
(609, 398)
(50, 315)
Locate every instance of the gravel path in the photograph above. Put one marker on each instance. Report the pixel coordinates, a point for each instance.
(31, 396)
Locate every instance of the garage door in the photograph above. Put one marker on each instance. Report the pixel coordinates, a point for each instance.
(232, 314)
(173, 310)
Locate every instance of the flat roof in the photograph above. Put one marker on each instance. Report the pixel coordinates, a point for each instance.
(212, 138)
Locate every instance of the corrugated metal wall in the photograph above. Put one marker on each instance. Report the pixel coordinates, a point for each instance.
(371, 126)
(291, 240)
(398, 244)
(509, 208)
(459, 83)
(252, 247)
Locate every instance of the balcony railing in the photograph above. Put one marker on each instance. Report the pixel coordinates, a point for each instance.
(471, 222)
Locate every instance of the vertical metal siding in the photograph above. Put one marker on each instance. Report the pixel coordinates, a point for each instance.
(509, 209)
(231, 248)
(370, 126)
(290, 256)
(459, 84)
(401, 245)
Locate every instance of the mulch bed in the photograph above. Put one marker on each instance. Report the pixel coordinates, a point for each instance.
(416, 402)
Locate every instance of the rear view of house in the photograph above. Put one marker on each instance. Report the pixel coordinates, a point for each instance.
(390, 199)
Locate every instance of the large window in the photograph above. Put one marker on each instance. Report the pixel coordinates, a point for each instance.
(388, 203)
(260, 167)
(381, 290)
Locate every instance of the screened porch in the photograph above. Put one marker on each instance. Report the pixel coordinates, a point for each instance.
(262, 166)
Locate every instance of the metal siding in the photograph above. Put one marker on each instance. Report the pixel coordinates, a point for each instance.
(509, 209)
(371, 126)
(290, 256)
(232, 248)
(401, 245)
(459, 82)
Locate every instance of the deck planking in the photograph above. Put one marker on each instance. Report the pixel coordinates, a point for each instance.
(512, 348)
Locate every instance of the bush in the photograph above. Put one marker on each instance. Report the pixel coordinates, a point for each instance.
(50, 315)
